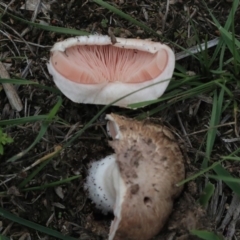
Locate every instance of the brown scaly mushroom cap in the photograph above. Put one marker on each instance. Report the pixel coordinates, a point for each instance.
(93, 69)
(139, 181)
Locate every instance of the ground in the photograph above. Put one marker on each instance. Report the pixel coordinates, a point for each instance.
(24, 51)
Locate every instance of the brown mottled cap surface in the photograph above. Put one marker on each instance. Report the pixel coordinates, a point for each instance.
(150, 163)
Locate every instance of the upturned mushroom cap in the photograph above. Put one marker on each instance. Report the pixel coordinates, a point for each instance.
(93, 69)
(149, 163)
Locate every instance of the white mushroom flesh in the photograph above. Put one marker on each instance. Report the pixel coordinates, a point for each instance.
(102, 181)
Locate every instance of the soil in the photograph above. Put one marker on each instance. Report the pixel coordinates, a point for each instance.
(66, 207)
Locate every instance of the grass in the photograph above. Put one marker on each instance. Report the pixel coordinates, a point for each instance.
(206, 235)
(216, 78)
(32, 225)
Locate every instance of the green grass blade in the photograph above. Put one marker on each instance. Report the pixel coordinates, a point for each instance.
(19, 57)
(180, 68)
(55, 109)
(17, 81)
(234, 50)
(231, 42)
(215, 120)
(232, 158)
(221, 172)
(19, 121)
(41, 133)
(4, 237)
(215, 167)
(212, 132)
(27, 82)
(225, 88)
(202, 54)
(200, 173)
(125, 16)
(53, 184)
(229, 22)
(179, 94)
(206, 235)
(224, 174)
(221, 57)
(220, 47)
(229, 38)
(227, 25)
(225, 179)
(50, 89)
(37, 227)
(34, 173)
(206, 194)
(47, 27)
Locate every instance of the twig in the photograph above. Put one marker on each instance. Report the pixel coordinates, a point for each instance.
(7, 6)
(7, 180)
(207, 129)
(34, 44)
(30, 49)
(196, 49)
(10, 91)
(165, 16)
(10, 38)
(26, 69)
(46, 157)
(34, 16)
(235, 111)
(183, 129)
(232, 213)
(231, 140)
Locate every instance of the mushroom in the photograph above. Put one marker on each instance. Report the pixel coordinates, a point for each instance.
(94, 69)
(138, 182)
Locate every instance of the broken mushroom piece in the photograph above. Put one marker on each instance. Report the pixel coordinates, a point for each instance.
(138, 182)
(93, 69)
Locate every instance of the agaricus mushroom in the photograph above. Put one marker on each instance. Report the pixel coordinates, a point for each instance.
(138, 182)
(93, 69)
